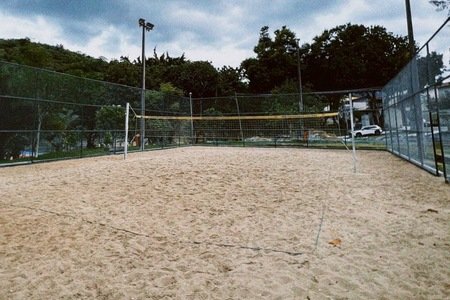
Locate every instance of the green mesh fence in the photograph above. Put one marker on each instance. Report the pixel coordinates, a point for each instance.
(46, 115)
(417, 107)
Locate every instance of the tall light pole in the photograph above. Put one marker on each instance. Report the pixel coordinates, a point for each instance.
(291, 49)
(415, 86)
(412, 48)
(300, 88)
(146, 26)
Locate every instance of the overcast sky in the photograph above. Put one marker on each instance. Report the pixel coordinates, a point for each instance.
(223, 32)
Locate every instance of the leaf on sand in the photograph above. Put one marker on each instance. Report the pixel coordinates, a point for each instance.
(335, 242)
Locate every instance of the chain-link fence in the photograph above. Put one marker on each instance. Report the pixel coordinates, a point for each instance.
(46, 115)
(417, 107)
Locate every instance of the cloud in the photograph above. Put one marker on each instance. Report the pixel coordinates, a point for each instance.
(64, 10)
(222, 31)
(37, 28)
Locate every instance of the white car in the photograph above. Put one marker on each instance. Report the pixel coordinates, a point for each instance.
(368, 130)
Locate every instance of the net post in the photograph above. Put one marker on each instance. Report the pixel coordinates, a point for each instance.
(192, 121)
(352, 132)
(127, 115)
(240, 121)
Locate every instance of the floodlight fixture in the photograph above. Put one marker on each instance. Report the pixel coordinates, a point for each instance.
(149, 26)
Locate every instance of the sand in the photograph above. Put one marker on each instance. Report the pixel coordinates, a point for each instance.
(225, 223)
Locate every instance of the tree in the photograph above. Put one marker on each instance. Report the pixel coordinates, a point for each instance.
(198, 77)
(165, 100)
(60, 125)
(110, 119)
(230, 81)
(289, 90)
(54, 58)
(354, 56)
(123, 72)
(16, 115)
(430, 68)
(274, 64)
(161, 68)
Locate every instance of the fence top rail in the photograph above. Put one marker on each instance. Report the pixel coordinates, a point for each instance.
(434, 34)
(241, 95)
(51, 101)
(69, 75)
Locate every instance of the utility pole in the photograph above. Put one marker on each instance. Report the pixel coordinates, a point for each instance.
(412, 47)
(291, 49)
(146, 26)
(300, 88)
(415, 88)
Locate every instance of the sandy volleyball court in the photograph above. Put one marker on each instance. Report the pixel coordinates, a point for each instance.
(224, 223)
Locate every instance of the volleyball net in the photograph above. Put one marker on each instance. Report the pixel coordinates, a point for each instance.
(241, 120)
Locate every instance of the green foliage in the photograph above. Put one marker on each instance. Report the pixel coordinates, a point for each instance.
(274, 63)
(14, 114)
(123, 72)
(157, 130)
(430, 68)
(110, 118)
(168, 88)
(199, 77)
(212, 111)
(55, 58)
(230, 81)
(345, 57)
(354, 56)
(287, 99)
(61, 123)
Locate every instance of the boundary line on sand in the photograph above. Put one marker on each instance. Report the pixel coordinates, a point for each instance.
(222, 245)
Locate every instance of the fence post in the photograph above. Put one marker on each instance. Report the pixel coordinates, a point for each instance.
(240, 121)
(192, 121)
(127, 114)
(352, 132)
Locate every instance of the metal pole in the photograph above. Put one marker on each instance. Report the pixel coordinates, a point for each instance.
(145, 26)
(127, 109)
(192, 120)
(300, 88)
(143, 91)
(352, 132)
(240, 122)
(412, 47)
